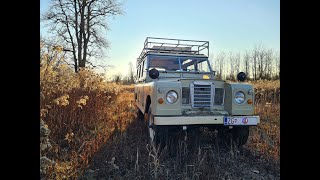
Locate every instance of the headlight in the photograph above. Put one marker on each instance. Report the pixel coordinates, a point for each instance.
(172, 97)
(239, 97)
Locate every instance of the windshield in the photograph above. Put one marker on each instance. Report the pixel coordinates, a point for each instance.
(186, 64)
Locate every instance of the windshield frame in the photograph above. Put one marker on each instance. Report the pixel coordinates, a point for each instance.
(150, 57)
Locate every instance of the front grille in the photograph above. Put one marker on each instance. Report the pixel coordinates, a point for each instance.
(218, 96)
(201, 95)
(185, 95)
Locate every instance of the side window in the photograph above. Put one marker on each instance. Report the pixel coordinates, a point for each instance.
(203, 66)
(190, 68)
(188, 65)
(142, 70)
(138, 69)
(142, 65)
(145, 67)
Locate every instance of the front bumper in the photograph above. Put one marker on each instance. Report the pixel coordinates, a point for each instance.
(196, 120)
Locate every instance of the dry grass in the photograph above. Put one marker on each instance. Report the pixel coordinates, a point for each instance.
(93, 125)
(134, 158)
(78, 110)
(265, 138)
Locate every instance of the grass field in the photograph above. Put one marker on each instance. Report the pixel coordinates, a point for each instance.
(128, 155)
(89, 129)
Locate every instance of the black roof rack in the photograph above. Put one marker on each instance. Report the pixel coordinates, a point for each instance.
(175, 46)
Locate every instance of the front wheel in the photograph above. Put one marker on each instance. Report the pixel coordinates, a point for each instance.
(140, 115)
(157, 134)
(238, 135)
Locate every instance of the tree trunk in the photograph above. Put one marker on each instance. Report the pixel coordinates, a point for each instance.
(80, 60)
(86, 36)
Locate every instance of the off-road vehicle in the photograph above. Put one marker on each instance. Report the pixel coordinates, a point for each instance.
(176, 89)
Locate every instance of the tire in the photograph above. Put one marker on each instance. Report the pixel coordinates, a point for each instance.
(151, 130)
(140, 115)
(194, 137)
(238, 134)
(157, 135)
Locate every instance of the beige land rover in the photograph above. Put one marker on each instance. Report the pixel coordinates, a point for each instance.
(176, 89)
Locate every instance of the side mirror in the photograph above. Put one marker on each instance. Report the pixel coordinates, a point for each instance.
(241, 76)
(153, 73)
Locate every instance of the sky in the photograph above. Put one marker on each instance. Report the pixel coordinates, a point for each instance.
(228, 25)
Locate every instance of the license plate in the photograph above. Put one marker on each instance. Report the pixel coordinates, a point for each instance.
(240, 121)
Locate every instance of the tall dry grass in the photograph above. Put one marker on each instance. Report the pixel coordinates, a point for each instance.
(79, 111)
(265, 138)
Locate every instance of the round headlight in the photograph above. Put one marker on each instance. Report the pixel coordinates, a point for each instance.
(172, 97)
(239, 97)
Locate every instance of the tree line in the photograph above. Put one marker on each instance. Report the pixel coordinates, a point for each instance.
(258, 63)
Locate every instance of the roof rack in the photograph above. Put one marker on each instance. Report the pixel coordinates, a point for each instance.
(175, 46)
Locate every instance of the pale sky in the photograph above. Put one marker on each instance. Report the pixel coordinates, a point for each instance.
(228, 25)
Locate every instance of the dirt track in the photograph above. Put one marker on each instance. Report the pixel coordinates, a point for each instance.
(134, 159)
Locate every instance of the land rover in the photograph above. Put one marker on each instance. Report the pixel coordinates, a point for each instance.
(176, 89)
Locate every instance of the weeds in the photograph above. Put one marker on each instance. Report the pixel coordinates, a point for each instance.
(76, 109)
(89, 123)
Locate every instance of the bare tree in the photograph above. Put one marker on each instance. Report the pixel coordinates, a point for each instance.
(264, 63)
(80, 24)
(232, 66)
(261, 62)
(220, 64)
(268, 64)
(117, 78)
(246, 59)
(131, 73)
(258, 63)
(277, 65)
(237, 60)
(256, 66)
